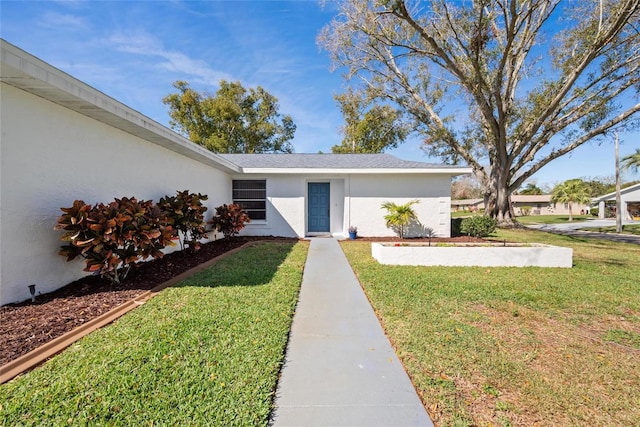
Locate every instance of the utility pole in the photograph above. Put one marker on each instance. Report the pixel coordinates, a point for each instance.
(618, 202)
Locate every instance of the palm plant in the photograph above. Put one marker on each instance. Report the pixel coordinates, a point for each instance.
(632, 161)
(571, 191)
(399, 216)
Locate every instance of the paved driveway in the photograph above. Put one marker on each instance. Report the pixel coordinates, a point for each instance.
(571, 229)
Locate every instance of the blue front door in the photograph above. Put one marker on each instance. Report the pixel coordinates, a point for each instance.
(318, 197)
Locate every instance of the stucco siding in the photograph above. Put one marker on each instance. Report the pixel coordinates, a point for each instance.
(337, 212)
(51, 156)
(355, 200)
(367, 193)
(285, 207)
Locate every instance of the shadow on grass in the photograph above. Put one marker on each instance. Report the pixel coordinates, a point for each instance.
(252, 266)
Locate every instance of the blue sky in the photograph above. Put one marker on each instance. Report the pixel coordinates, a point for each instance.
(134, 50)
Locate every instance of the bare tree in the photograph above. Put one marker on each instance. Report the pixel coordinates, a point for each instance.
(539, 77)
(466, 187)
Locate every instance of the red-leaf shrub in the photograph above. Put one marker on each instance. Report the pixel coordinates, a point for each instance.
(229, 219)
(111, 238)
(185, 213)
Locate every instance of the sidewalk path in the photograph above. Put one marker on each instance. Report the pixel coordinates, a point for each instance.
(340, 369)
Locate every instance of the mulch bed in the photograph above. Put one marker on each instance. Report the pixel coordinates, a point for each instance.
(25, 326)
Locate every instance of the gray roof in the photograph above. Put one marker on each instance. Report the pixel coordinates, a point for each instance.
(327, 161)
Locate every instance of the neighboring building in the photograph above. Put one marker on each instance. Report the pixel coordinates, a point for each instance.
(542, 205)
(629, 198)
(63, 140)
(467, 205)
(534, 204)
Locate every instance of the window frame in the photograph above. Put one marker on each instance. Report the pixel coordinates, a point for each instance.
(261, 186)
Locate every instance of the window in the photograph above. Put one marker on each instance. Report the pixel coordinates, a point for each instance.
(251, 195)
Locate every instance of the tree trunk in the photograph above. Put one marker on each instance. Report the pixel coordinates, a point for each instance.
(570, 213)
(497, 199)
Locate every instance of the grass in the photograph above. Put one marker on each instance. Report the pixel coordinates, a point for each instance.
(463, 214)
(551, 219)
(206, 352)
(517, 346)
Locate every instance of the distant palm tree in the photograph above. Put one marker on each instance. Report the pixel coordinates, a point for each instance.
(399, 216)
(571, 191)
(632, 161)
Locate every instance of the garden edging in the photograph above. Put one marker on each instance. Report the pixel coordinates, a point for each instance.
(35, 357)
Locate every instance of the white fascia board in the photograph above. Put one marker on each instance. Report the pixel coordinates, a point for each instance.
(612, 195)
(26, 72)
(338, 171)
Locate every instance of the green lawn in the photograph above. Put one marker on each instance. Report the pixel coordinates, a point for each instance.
(517, 346)
(551, 219)
(463, 214)
(206, 352)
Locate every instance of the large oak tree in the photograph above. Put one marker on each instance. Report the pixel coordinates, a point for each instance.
(234, 120)
(368, 128)
(538, 78)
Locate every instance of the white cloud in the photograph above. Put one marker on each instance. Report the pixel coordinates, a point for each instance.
(62, 21)
(177, 62)
(74, 4)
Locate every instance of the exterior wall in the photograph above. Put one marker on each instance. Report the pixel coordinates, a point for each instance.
(285, 207)
(339, 226)
(368, 192)
(538, 207)
(466, 205)
(550, 208)
(51, 156)
(355, 200)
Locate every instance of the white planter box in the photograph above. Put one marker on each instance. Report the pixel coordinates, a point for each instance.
(468, 255)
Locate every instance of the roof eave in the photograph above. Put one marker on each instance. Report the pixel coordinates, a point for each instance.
(357, 171)
(26, 72)
(612, 195)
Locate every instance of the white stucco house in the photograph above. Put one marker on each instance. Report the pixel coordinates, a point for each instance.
(62, 140)
(315, 194)
(630, 203)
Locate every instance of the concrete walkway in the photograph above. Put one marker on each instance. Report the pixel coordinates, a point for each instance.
(340, 369)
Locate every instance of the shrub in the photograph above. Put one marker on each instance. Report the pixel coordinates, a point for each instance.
(111, 238)
(185, 213)
(525, 210)
(478, 226)
(229, 219)
(455, 227)
(594, 211)
(609, 212)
